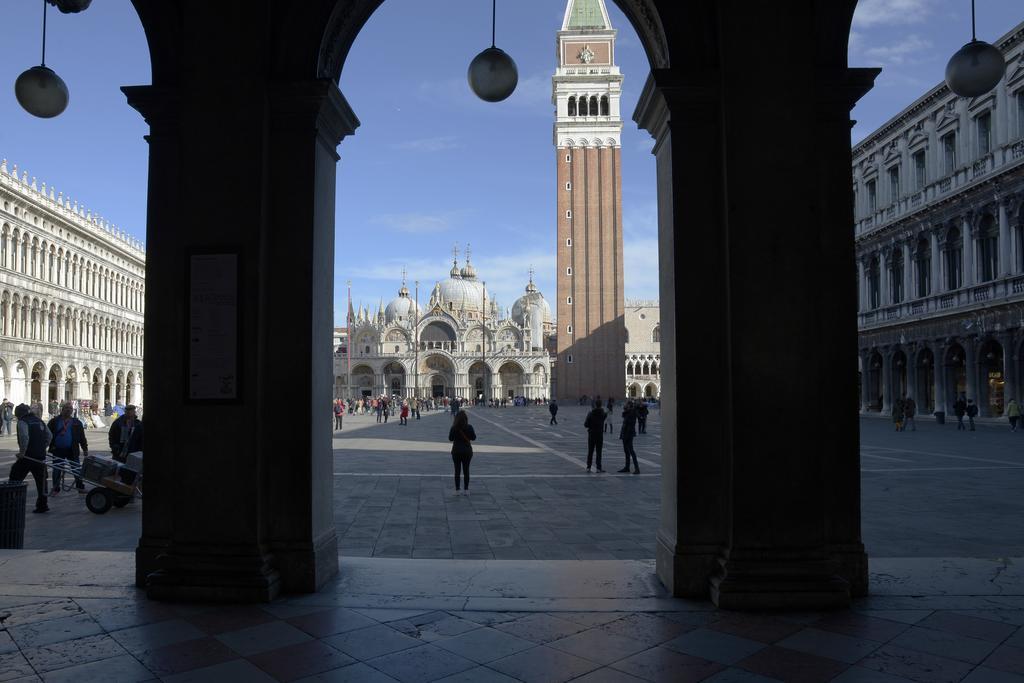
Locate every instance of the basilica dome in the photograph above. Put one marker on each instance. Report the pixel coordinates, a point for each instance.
(462, 291)
(532, 299)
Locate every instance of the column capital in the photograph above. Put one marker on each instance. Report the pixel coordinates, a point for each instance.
(160, 106)
(668, 91)
(319, 100)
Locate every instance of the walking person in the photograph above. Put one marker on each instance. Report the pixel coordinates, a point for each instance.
(462, 437)
(379, 409)
(339, 415)
(972, 412)
(553, 409)
(403, 416)
(897, 414)
(125, 435)
(594, 425)
(67, 445)
(1013, 412)
(33, 440)
(6, 415)
(416, 407)
(909, 411)
(960, 409)
(626, 433)
(641, 417)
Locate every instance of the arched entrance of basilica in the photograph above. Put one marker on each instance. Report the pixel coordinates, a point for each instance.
(441, 375)
(272, 135)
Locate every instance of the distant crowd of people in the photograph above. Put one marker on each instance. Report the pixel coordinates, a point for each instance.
(904, 412)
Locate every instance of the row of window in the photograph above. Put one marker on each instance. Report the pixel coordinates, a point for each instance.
(987, 264)
(588, 106)
(26, 254)
(642, 369)
(983, 138)
(22, 317)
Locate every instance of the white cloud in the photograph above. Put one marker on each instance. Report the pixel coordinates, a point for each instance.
(416, 222)
(908, 50)
(891, 12)
(435, 144)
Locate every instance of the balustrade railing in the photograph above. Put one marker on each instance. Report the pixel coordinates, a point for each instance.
(1006, 289)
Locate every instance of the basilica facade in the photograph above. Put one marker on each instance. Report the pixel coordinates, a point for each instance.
(643, 349)
(72, 290)
(458, 345)
(939, 228)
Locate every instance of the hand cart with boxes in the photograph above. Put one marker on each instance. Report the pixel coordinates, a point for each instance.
(114, 484)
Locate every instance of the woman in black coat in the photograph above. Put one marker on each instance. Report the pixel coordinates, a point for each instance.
(462, 437)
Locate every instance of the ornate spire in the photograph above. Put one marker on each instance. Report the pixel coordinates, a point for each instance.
(530, 287)
(404, 291)
(468, 272)
(454, 272)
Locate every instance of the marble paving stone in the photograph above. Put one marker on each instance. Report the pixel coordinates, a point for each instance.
(858, 674)
(792, 666)
(123, 669)
(256, 639)
(39, 610)
(543, 664)
(435, 628)
(386, 615)
(484, 645)
(229, 619)
(298, 661)
(985, 675)
(7, 644)
(71, 652)
(151, 636)
(329, 622)
(354, 673)
(607, 675)
(288, 610)
(421, 664)
(227, 672)
(487, 618)
(186, 656)
(859, 625)
(832, 645)
(1007, 658)
(541, 628)
(478, 674)
(944, 644)
(37, 633)
(1017, 639)
(917, 666)
(717, 647)
(904, 616)
(14, 665)
(1004, 616)
(599, 646)
(755, 627)
(735, 675)
(118, 614)
(374, 641)
(662, 665)
(589, 618)
(650, 629)
(972, 627)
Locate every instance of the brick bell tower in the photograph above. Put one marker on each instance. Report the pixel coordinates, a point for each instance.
(586, 89)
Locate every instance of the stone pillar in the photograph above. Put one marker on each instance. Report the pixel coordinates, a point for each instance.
(887, 382)
(1006, 340)
(752, 547)
(908, 273)
(968, 252)
(885, 296)
(863, 304)
(272, 145)
(865, 383)
(971, 367)
(1005, 248)
(912, 373)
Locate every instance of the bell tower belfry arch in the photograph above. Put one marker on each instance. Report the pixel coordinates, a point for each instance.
(586, 89)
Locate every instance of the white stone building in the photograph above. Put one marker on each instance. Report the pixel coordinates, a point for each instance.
(439, 350)
(72, 291)
(643, 349)
(939, 195)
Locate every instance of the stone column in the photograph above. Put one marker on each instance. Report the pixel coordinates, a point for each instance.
(971, 367)
(912, 373)
(908, 273)
(968, 252)
(887, 382)
(863, 303)
(1006, 340)
(1005, 248)
(865, 383)
(885, 296)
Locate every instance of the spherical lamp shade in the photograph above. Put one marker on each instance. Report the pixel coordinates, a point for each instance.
(493, 75)
(41, 92)
(975, 69)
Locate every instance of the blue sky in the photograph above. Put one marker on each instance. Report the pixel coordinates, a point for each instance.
(431, 165)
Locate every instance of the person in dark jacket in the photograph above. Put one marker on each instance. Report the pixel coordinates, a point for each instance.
(960, 409)
(641, 418)
(68, 444)
(553, 409)
(626, 433)
(462, 437)
(972, 412)
(125, 435)
(33, 439)
(594, 425)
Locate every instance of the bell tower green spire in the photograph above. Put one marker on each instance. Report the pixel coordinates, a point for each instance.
(586, 14)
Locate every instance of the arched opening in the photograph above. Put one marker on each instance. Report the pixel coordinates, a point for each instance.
(875, 388)
(924, 391)
(955, 370)
(651, 391)
(512, 384)
(479, 376)
(992, 387)
(634, 390)
(119, 388)
(108, 389)
(604, 105)
(97, 391)
(129, 388)
(394, 379)
(899, 376)
(437, 335)
(988, 248)
(572, 105)
(441, 374)
(363, 381)
(39, 389)
(54, 391)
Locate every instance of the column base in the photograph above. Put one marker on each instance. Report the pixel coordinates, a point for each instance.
(757, 582)
(213, 574)
(146, 554)
(685, 571)
(306, 567)
(853, 566)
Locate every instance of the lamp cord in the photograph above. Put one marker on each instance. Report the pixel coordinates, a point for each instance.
(494, 10)
(974, 35)
(43, 60)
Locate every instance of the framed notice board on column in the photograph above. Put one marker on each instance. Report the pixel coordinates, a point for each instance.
(214, 318)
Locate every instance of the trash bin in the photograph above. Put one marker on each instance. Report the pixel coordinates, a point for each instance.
(940, 417)
(12, 514)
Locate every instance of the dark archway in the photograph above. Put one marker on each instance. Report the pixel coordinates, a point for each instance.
(924, 390)
(992, 396)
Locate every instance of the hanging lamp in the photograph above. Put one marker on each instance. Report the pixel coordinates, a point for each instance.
(493, 75)
(976, 67)
(39, 90)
